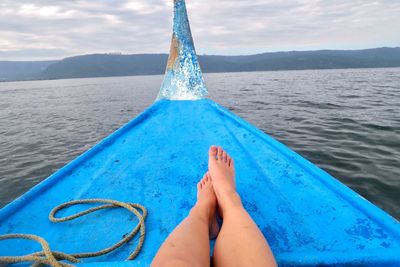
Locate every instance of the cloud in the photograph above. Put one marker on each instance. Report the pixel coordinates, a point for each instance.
(47, 29)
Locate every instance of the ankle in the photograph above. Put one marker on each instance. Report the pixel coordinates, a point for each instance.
(230, 200)
(200, 211)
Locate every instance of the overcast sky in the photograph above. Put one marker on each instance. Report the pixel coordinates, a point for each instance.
(53, 29)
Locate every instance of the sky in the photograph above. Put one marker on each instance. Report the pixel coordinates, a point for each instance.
(54, 29)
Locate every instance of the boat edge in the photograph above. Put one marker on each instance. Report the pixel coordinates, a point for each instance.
(67, 169)
(324, 177)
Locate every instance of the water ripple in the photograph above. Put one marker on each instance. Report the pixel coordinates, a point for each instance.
(345, 121)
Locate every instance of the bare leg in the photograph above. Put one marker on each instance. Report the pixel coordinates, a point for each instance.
(189, 244)
(240, 242)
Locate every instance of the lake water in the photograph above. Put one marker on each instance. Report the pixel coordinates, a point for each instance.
(345, 121)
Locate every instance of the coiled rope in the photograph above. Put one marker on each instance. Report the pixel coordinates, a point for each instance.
(52, 258)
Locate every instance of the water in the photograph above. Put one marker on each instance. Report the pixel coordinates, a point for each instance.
(345, 121)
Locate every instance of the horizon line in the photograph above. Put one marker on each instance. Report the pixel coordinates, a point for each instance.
(222, 55)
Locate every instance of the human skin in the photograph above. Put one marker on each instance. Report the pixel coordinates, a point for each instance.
(239, 242)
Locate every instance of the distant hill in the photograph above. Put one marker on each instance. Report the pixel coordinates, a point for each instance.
(300, 60)
(103, 65)
(22, 70)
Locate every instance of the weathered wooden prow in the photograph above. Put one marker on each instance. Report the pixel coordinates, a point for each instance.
(183, 77)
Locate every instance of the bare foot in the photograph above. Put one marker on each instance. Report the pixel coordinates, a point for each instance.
(206, 200)
(222, 170)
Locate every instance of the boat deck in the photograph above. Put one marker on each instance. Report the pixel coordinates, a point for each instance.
(308, 217)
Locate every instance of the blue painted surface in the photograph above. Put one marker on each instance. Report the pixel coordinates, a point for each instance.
(308, 217)
(183, 77)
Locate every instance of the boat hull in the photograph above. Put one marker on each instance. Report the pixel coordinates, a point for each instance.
(308, 217)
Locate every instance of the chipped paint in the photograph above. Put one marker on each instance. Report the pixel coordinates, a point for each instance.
(183, 77)
(173, 54)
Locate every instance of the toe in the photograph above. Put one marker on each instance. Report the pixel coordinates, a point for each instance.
(220, 152)
(198, 186)
(208, 176)
(224, 157)
(213, 152)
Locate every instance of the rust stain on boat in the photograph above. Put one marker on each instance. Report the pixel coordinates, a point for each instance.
(174, 52)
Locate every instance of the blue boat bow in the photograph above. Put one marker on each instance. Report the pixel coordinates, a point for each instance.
(308, 217)
(183, 77)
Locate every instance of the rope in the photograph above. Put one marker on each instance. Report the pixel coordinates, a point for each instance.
(52, 258)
